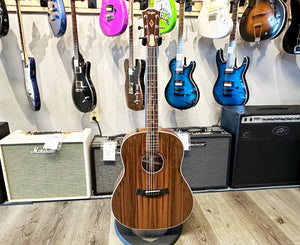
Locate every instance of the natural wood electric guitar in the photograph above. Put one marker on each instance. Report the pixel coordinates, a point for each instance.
(152, 193)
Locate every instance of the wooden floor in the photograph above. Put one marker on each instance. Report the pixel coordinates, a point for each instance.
(237, 217)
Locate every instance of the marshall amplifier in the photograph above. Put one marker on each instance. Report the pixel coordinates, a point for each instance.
(106, 163)
(205, 165)
(266, 144)
(46, 166)
(4, 131)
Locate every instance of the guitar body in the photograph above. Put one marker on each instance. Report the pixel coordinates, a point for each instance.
(182, 92)
(214, 20)
(31, 87)
(113, 17)
(291, 39)
(57, 17)
(263, 19)
(83, 91)
(168, 14)
(152, 211)
(4, 23)
(134, 85)
(231, 88)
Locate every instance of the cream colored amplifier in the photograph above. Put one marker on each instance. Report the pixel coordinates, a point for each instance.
(44, 166)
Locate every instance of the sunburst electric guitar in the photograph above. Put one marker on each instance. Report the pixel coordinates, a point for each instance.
(152, 193)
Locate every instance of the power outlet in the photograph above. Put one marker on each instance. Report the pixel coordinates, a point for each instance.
(94, 113)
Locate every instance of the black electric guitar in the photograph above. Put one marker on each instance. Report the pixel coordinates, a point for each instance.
(134, 72)
(291, 39)
(4, 24)
(31, 87)
(83, 91)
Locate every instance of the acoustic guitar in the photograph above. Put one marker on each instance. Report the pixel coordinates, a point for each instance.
(4, 22)
(262, 20)
(152, 193)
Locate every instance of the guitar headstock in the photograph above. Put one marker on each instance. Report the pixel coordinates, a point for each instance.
(151, 18)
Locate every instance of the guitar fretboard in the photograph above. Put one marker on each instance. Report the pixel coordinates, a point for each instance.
(179, 56)
(75, 33)
(152, 141)
(131, 51)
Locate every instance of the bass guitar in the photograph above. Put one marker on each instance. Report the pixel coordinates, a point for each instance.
(31, 86)
(262, 20)
(152, 194)
(231, 87)
(134, 73)
(214, 20)
(113, 17)
(57, 17)
(168, 14)
(181, 92)
(83, 91)
(291, 39)
(4, 23)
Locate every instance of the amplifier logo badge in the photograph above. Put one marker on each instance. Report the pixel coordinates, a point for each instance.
(281, 130)
(38, 150)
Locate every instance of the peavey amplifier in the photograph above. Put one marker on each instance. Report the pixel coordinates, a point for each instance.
(205, 164)
(4, 131)
(46, 166)
(106, 163)
(266, 144)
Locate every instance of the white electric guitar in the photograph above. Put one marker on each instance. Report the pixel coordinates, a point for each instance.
(214, 20)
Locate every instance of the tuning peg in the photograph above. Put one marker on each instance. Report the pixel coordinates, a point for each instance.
(140, 27)
(144, 40)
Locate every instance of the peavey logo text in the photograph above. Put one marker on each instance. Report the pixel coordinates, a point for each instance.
(281, 130)
(37, 150)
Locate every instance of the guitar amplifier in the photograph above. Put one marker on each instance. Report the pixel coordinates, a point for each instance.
(205, 165)
(266, 144)
(45, 166)
(4, 131)
(106, 163)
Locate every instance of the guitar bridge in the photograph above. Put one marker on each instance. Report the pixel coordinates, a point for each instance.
(110, 17)
(152, 193)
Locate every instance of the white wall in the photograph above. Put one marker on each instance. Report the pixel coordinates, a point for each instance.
(273, 76)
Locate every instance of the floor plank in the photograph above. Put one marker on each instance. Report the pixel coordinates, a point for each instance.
(235, 217)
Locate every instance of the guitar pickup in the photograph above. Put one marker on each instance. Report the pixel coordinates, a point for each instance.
(228, 84)
(109, 8)
(179, 83)
(110, 17)
(227, 95)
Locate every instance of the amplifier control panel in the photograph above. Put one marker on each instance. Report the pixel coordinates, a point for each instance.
(271, 119)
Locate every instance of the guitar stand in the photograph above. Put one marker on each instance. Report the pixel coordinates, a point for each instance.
(128, 237)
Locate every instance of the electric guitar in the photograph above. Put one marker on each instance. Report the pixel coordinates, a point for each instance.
(291, 39)
(83, 91)
(181, 92)
(214, 20)
(31, 86)
(134, 73)
(4, 23)
(57, 17)
(152, 193)
(113, 17)
(168, 14)
(231, 87)
(262, 20)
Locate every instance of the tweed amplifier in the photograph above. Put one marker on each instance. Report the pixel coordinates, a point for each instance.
(45, 166)
(266, 144)
(205, 165)
(4, 131)
(105, 168)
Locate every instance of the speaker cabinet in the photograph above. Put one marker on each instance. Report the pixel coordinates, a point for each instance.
(266, 144)
(205, 165)
(4, 131)
(105, 172)
(32, 173)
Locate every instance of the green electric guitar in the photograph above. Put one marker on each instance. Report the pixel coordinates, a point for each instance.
(168, 14)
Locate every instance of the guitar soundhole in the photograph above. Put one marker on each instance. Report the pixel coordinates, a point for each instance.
(152, 162)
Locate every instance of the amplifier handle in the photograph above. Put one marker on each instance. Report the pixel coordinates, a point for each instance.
(201, 144)
(271, 108)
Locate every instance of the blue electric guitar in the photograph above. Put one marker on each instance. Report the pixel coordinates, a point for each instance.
(31, 86)
(181, 91)
(231, 87)
(57, 17)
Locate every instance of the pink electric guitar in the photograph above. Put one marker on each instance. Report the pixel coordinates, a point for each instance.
(113, 17)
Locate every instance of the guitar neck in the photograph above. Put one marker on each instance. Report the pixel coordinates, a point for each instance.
(152, 102)
(231, 45)
(179, 56)
(131, 51)
(75, 33)
(21, 29)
